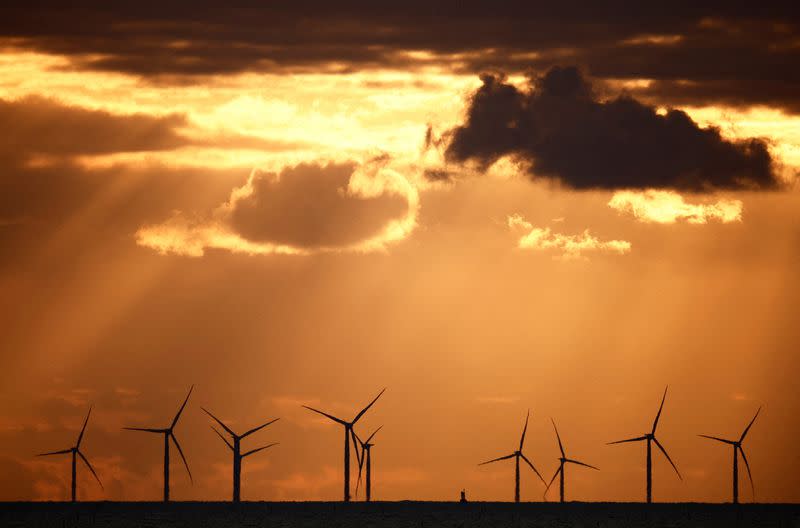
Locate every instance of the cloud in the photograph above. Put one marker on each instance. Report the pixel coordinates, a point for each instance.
(565, 133)
(46, 127)
(666, 207)
(567, 247)
(739, 55)
(308, 208)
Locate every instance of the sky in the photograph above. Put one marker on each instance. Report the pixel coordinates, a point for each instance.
(562, 209)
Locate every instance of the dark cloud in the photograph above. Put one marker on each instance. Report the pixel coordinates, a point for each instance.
(567, 134)
(309, 206)
(723, 47)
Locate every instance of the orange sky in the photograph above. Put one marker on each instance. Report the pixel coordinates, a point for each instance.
(271, 238)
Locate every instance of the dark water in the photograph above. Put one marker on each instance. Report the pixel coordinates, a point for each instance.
(399, 514)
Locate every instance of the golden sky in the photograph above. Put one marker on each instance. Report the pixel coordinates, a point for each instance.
(280, 235)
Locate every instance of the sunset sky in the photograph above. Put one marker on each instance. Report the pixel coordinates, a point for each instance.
(485, 210)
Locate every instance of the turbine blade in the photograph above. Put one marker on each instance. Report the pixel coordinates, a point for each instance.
(668, 458)
(655, 422)
(524, 430)
(223, 438)
(718, 439)
(335, 419)
(228, 429)
(83, 429)
(373, 434)
(749, 475)
(749, 425)
(581, 463)
(260, 427)
(180, 451)
(144, 429)
(360, 466)
(177, 416)
(86, 461)
(637, 439)
(533, 468)
(358, 438)
(560, 445)
(256, 450)
(355, 442)
(498, 459)
(62, 452)
(365, 409)
(552, 480)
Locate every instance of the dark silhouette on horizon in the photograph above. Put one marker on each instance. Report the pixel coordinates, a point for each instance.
(651, 437)
(168, 433)
(560, 471)
(517, 455)
(76, 452)
(236, 449)
(366, 454)
(737, 448)
(348, 433)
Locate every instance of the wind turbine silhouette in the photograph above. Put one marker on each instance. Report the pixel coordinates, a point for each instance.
(737, 448)
(168, 433)
(366, 453)
(562, 461)
(76, 452)
(348, 433)
(237, 454)
(517, 455)
(651, 437)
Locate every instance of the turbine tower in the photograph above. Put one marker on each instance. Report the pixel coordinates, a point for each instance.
(168, 433)
(236, 449)
(517, 455)
(737, 448)
(366, 454)
(562, 461)
(348, 433)
(76, 452)
(650, 438)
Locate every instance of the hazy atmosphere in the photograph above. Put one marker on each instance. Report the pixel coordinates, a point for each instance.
(484, 211)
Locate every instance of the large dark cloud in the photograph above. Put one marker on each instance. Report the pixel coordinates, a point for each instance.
(309, 206)
(567, 134)
(725, 47)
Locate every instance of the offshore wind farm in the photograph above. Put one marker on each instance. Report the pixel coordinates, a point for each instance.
(408, 263)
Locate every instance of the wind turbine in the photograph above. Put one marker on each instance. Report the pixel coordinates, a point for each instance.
(562, 461)
(737, 448)
(168, 433)
(651, 437)
(76, 452)
(366, 453)
(237, 454)
(517, 455)
(348, 433)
